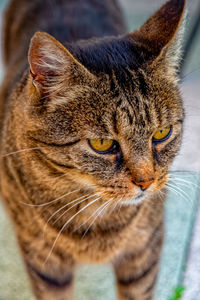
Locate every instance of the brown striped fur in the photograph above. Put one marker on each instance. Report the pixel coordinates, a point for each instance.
(101, 84)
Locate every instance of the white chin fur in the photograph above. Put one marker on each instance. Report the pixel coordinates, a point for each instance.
(135, 200)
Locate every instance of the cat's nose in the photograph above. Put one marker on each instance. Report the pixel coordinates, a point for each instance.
(144, 185)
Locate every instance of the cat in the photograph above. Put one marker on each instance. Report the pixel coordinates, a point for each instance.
(91, 119)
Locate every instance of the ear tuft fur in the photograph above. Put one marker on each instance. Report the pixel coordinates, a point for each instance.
(162, 28)
(54, 70)
(47, 57)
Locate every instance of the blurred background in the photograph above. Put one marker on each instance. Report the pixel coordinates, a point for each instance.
(180, 264)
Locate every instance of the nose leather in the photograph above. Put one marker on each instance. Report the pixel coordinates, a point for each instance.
(144, 185)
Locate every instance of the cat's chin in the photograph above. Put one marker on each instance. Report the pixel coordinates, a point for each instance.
(135, 200)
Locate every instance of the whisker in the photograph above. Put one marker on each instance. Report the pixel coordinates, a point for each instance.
(55, 178)
(84, 199)
(174, 178)
(161, 194)
(61, 208)
(64, 226)
(120, 205)
(97, 215)
(109, 202)
(22, 150)
(113, 208)
(183, 192)
(50, 202)
(92, 215)
(171, 188)
(183, 184)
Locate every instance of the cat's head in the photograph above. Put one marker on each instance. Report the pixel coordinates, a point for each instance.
(109, 111)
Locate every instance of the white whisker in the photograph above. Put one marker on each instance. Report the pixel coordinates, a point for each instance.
(61, 208)
(22, 150)
(173, 189)
(121, 204)
(113, 208)
(50, 202)
(91, 215)
(179, 189)
(84, 199)
(97, 215)
(64, 226)
(175, 178)
(54, 178)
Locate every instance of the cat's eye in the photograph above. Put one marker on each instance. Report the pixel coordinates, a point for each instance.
(162, 135)
(102, 146)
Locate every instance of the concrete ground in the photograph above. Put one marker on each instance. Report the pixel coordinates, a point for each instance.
(181, 255)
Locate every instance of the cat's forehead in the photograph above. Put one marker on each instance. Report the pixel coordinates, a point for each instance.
(144, 102)
(130, 95)
(131, 112)
(140, 106)
(112, 55)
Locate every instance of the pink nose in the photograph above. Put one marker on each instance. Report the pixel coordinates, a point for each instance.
(144, 185)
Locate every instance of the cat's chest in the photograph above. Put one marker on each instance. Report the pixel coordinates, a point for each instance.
(100, 245)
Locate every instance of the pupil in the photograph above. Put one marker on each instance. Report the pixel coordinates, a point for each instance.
(101, 142)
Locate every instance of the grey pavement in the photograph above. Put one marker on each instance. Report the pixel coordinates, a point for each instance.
(192, 274)
(189, 156)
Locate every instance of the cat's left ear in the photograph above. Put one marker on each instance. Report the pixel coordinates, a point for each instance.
(162, 33)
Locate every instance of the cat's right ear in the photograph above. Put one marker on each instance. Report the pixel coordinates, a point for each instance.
(51, 63)
(162, 32)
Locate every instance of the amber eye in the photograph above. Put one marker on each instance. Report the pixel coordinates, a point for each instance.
(102, 146)
(162, 135)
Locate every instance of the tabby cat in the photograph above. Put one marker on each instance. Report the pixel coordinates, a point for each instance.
(89, 129)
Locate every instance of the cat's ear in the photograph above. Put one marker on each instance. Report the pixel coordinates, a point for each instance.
(50, 61)
(162, 31)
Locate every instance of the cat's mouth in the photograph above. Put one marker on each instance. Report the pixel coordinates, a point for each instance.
(124, 195)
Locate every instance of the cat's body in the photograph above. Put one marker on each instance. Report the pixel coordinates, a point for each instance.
(125, 92)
